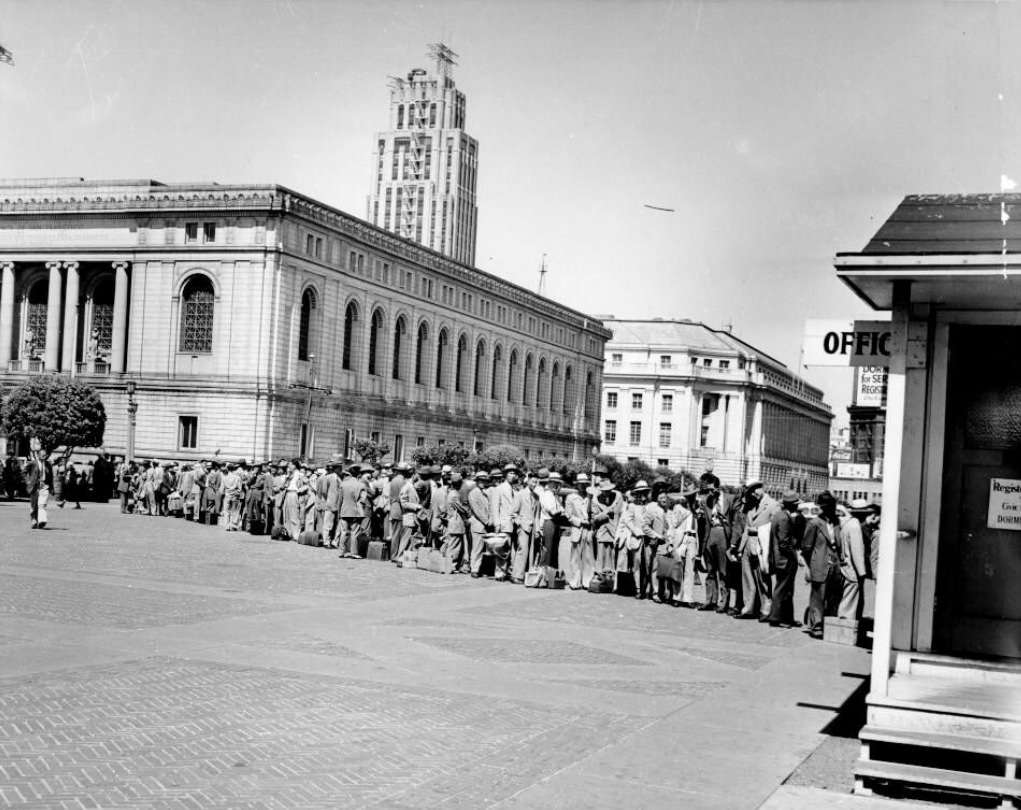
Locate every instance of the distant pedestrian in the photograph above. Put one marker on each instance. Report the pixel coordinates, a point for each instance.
(39, 482)
(820, 549)
(786, 529)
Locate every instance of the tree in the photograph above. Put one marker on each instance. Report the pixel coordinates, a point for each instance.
(452, 454)
(371, 451)
(498, 456)
(56, 411)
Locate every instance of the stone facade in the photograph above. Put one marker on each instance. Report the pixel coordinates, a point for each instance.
(679, 393)
(260, 323)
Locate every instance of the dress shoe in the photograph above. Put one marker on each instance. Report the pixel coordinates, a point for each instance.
(517, 581)
(475, 576)
(707, 606)
(763, 619)
(746, 616)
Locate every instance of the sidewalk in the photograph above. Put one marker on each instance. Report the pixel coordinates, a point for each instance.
(154, 663)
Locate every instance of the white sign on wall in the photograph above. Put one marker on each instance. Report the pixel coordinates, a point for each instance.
(1004, 504)
(847, 343)
(870, 389)
(854, 471)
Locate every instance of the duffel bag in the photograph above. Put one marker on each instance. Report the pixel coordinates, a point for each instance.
(601, 582)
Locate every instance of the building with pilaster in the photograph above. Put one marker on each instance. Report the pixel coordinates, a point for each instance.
(424, 173)
(677, 393)
(259, 323)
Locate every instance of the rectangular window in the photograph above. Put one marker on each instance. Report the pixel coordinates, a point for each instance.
(617, 358)
(664, 434)
(707, 362)
(398, 451)
(666, 360)
(308, 244)
(374, 436)
(319, 247)
(208, 231)
(420, 441)
(191, 232)
(361, 264)
(611, 399)
(352, 261)
(636, 401)
(386, 272)
(188, 432)
(349, 439)
(610, 434)
(724, 364)
(668, 403)
(663, 462)
(636, 433)
(303, 441)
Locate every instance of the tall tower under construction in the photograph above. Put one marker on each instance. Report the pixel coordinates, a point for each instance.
(423, 185)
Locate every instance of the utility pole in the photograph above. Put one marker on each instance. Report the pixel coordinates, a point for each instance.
(310, 386)
(542, 275)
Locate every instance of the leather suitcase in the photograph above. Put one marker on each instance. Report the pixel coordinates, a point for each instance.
(378, 550)
(410, 559)
(308, 538)
(441, 563)
(555, 579)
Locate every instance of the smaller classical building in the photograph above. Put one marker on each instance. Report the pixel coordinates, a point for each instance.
(678, 393)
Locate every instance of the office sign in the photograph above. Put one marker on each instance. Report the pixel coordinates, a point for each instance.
(847, 343)
(1004, 504)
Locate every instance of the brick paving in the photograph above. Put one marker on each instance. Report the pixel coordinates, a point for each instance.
(154, 663)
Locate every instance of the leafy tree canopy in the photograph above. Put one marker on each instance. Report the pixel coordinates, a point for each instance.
(57, 411)
(370, 451)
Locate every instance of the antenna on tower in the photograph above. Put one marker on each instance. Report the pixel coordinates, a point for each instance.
(445, 59)
(542, 276)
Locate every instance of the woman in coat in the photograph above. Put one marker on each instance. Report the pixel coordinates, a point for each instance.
(820, 548)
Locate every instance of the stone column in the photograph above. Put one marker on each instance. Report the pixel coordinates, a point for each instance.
(6, 314)
(51, 355)
(120, 318)
(70, 317)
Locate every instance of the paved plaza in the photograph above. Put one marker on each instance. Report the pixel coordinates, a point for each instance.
(154, 663)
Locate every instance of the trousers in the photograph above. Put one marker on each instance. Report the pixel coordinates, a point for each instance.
(782, 609)
(716, 591)
(522, 557)
(756, 586)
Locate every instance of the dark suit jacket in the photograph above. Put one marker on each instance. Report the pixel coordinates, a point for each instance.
(820, 553)
(784, 539)
(37, 473)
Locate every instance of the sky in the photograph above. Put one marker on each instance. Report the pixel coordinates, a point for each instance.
(779, 132)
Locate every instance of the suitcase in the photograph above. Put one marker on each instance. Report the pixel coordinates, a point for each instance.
(425, 558)
(555, 579)
(601, 582)
(308, 538)
(211, 518)
(536, 578)
(440, 563)
(378, 550)
(410, 558)
(625, 584)
(256, 527)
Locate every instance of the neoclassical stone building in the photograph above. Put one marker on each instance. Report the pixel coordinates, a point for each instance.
(679, 394)
(257, 322)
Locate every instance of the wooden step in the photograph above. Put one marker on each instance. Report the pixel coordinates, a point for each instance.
(953, 780)
(906, 715)
(946, 696)
(943, 666)
(1010, 749)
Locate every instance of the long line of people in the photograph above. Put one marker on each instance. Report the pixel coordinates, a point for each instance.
(534, 528)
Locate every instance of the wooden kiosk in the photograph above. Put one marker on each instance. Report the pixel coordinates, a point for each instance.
(944, 708)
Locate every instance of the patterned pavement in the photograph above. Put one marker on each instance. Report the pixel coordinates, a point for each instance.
(154, 663)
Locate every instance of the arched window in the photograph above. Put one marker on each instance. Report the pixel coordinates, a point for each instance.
(540, 389)
(423, 337)
(375, 342)
(350, 324)
(497, 372)
(568, 391)
(529, 389)
(101, 320)
(480, 369)
(441, 359)
(460, 369)
(197, 315)
(305, 324)
(554, 390)
(35, 320)
(400, 330)
(512, 375)
(588, 396)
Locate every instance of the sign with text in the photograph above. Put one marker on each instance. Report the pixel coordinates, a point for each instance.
(870, 386)
(854, 471)
(1004, 504)
(847, 343)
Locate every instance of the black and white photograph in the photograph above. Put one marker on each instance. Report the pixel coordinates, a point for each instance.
(533, 404)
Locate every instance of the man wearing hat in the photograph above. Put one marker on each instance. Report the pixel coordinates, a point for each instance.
(852, 560)
(397, 482)
(457, 523)
(525, 513)
(576, 556)
(632, 519)
(328, 499)
(352, 493)
(654, 529)
(232, 501)
(440, 500)
(501, 513)
(756, 584)
(820, 548)
(606, 507)
(786, 528)
(551, 514)
(479, 520)
(410, 507)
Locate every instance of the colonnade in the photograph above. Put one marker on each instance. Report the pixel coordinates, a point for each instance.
(63, 313)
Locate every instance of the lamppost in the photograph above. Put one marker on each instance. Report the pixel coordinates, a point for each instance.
(129, 455)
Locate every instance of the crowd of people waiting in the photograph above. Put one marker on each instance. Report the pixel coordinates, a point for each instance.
(538, 529)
